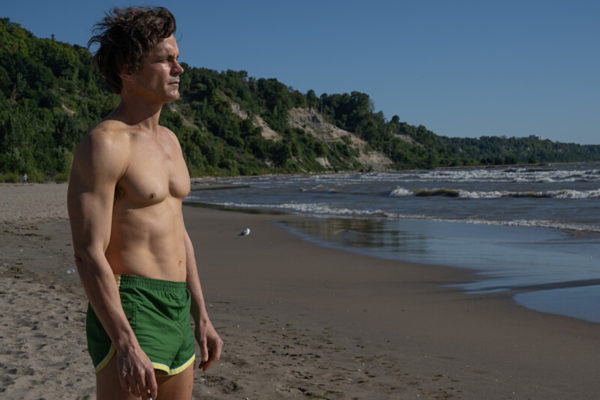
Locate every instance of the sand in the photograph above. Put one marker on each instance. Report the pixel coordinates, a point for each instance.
(298, 320)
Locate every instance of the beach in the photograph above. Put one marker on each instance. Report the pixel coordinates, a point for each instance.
(298, 320)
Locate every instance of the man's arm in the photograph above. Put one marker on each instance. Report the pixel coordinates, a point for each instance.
(206, 335)
(99, 162)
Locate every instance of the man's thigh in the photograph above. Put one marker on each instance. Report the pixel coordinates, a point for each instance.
(170, 387)
(176, 387)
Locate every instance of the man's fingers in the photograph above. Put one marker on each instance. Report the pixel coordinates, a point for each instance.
(212, 356)
(133, 386)
(205, 365)
(141, 384)
(124, 381)
(151, 384)
(204, 351)
(204, 356)
(146, 394)
(217, 349)
(136, 375)
(128, 383)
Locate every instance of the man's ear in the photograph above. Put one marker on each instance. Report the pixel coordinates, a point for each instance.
(126, 73)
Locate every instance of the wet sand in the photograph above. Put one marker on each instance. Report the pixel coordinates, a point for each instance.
(298, 320)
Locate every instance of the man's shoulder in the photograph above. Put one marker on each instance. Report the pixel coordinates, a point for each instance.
(108, 135)
(109, 130)
(106, 146)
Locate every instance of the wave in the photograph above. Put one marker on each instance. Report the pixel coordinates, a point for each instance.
(497, 194)
(308, 208)
(325, 210)
(494, 174)
(401, 192)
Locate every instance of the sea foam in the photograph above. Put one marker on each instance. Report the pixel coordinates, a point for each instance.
(497, 194)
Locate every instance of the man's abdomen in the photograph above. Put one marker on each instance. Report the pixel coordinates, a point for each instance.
(148, 241)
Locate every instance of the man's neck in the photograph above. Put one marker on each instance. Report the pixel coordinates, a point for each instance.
(137, 112)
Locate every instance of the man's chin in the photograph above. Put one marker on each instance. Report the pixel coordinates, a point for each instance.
(173, 97)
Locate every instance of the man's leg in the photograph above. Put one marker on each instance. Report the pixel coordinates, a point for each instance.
(170, 387)
(176, 387)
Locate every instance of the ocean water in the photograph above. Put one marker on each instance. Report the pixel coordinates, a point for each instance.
(534, 230)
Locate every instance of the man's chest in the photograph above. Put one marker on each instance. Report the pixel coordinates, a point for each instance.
(156, 170)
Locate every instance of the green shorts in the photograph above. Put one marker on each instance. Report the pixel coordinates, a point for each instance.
(159, 314)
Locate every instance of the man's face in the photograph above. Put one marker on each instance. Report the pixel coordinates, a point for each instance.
(158, 77)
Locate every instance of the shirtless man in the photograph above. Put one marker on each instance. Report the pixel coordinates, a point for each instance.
(132, 251)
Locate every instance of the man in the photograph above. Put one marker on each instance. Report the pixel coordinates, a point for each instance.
(132, 251)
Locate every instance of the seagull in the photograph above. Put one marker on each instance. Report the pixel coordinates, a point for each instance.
(245, 232)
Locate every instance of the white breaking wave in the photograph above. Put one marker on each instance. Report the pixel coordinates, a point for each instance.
(322, 209)
(308, 208)
(401, 192)
(576, 194)
(555, 194)
(498, 174)
(497, 194)
(565, 226)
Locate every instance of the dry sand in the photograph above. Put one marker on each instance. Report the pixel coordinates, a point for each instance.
(298, 320)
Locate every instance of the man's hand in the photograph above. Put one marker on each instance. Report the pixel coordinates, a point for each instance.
(136, 373)
(210, 344)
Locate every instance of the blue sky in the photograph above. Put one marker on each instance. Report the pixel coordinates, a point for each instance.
(461, 68)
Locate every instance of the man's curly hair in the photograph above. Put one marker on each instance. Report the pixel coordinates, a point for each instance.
(125, 36)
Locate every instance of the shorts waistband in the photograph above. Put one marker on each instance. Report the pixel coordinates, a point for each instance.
(134, 281)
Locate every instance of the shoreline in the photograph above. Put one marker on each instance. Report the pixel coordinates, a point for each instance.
(298, 320)
(517, 278)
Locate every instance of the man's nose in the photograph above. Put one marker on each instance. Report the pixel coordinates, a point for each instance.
(178, 69)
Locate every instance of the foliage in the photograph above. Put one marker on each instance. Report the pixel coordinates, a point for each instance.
(51, 94)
